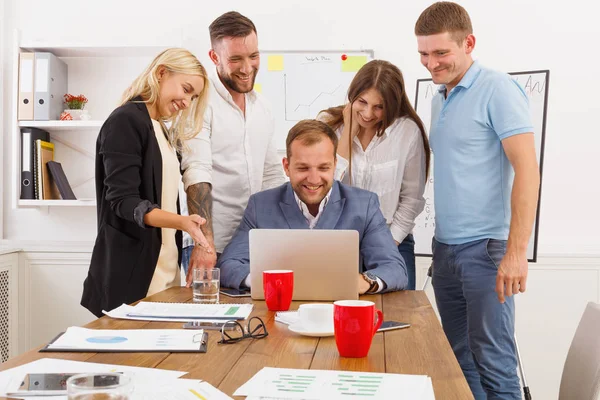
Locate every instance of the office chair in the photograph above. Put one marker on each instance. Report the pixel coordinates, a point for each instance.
(581, 373)
(526, 391)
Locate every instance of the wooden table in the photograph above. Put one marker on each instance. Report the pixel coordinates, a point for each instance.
(421, 349)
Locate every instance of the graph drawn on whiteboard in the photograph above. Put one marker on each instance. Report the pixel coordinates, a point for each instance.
(299, 84)
(535, 84)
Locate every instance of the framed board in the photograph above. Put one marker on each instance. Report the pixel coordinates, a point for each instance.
(299, 84)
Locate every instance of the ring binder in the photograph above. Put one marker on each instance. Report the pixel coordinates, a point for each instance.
(28, 165)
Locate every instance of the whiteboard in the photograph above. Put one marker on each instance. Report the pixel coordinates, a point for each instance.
(299, 84)
(535, 84)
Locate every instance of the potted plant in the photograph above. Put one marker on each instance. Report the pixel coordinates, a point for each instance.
(75, 107)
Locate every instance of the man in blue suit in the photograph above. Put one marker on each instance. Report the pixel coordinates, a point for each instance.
(312, 199)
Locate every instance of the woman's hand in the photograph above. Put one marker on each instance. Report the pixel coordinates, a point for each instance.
(355, 128)
(191, 224)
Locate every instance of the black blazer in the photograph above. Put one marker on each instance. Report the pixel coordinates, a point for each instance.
(128, 185)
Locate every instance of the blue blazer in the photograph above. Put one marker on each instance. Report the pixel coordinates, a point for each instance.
(348, 208)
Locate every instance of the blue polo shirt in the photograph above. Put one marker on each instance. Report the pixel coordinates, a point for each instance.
(472, 175)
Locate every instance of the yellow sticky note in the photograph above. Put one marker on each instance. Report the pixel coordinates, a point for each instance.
(275, 63)
(258, 87)
(353, 63)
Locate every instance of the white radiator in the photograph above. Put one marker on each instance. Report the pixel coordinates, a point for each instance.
(5, 314)
(8, 305)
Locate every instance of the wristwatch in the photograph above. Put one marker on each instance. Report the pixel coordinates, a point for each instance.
(372, 281)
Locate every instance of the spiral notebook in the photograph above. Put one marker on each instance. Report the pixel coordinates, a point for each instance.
(154, 311)
(78, 339)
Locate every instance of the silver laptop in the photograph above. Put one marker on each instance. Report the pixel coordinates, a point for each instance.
(325, 262)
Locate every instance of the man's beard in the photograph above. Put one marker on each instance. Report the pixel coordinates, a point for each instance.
(231, 84)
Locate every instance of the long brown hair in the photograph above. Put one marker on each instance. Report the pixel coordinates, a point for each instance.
(387, 79)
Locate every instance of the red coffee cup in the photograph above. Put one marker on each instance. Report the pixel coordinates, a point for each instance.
(354, 326)
(278, 286)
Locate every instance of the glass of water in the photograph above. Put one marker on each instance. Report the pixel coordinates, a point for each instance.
(99, 386)
(206, 285)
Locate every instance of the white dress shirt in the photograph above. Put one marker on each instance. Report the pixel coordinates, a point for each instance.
(312, 219)
(236, 153)
(393, 166)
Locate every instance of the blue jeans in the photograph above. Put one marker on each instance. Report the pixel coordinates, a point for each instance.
(479, 328)
(185, 258)
(407, 251)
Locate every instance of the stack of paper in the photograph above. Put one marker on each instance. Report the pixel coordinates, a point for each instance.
(302, 384)
(148, 383)
(287, 317)
(181, 312)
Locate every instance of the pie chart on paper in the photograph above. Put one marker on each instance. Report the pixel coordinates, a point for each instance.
(106, 339)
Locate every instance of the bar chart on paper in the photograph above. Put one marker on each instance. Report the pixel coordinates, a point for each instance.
(357, 384)
(319, 384)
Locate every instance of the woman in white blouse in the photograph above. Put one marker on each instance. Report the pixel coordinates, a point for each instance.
(383, 148)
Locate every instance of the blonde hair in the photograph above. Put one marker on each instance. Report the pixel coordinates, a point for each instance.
(187, 123)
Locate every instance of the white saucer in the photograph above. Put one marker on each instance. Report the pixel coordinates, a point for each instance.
(297, 328)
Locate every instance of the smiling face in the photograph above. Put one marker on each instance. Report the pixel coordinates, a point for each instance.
(176, 92)
(446, 59)
(369, 107)
(237, 60)
(310, 168)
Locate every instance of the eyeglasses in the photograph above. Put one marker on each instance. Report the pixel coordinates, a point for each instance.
(233, 331)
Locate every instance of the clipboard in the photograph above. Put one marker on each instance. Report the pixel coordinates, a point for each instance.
(202, 339)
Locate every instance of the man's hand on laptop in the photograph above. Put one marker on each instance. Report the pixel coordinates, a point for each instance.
(201, 258)
(363, 285)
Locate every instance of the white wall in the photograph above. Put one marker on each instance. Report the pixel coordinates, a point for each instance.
(1, 110)
(511, 35)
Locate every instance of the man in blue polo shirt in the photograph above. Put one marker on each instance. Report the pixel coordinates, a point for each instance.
(486, 188)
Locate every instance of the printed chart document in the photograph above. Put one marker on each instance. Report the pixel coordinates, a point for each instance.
(11, 379)
(179, 389)
(303, 384)
(84, 339)
(149, 383)
(191, 310)
(427, 394)
(123, 311)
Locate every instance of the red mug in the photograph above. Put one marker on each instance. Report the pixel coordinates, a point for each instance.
(354, 326)
(278, 286)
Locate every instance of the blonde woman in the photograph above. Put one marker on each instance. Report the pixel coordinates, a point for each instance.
(138, 246)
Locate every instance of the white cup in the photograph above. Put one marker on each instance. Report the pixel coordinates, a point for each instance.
(316, 317)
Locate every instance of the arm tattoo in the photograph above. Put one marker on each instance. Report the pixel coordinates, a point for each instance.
(199, 199)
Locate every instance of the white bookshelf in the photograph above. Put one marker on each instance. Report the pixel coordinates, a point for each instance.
(75, 49)
(59, 126)
(58, 203)
(100, 71)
